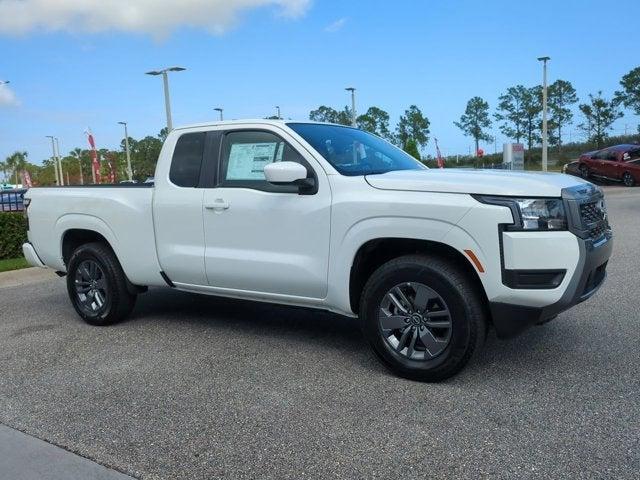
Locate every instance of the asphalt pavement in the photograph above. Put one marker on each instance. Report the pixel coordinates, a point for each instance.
(198, 387)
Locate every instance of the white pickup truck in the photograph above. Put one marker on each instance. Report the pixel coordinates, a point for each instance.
(331, 217)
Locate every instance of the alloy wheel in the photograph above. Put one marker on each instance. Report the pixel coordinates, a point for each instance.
(91, 287)
(415, 321)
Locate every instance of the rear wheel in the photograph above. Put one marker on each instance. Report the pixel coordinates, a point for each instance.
(628, 179)
(423, 317)
(97, 286)
(584, 171)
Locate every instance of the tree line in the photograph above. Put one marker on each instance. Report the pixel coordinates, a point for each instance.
(76, 165)
(518, 115)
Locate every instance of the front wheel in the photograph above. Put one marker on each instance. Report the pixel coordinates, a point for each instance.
(423, 317)
(97, 286)
(628, 180)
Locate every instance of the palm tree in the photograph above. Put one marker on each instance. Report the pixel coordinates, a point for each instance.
(16, 162)
(3, 168)
(77, 153)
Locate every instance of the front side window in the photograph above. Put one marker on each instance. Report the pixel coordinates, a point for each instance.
(246, 153)
(187, 160)
(354, 152)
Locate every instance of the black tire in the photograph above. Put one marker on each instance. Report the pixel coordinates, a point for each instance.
(468, 319)
(584, 171)
(628, 179)
(116, 302)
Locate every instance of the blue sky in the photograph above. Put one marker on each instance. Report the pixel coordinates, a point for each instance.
(87, 69)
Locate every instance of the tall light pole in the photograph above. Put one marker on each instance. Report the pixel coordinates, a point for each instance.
(167, 99)
(4, 82)
(278, 112)
(59, 163)
(55, 160)
(219, 110)
(545, 138)
(353, 104)
(126, 147)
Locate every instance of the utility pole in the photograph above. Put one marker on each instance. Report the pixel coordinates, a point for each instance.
(353, 105)
(59, 163)
(165, 82)
(55, 160)
(126, 146)
(80, 168)
(545, 138)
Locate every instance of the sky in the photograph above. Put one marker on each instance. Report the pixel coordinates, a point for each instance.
(73, 65)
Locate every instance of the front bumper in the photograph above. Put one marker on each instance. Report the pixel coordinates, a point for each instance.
(588, 222)
(509, 320)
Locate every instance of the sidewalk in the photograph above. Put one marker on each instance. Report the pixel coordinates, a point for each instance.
(26, 276)
(23, 457)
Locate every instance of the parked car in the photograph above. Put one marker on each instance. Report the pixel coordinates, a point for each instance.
(572, 168)
(618, 163)
(332, 217)
(12, 200)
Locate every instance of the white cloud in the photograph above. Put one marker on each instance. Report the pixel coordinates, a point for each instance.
(154, 17)
(335, 26)
(7, 97)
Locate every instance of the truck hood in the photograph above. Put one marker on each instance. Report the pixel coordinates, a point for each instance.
(483, 182)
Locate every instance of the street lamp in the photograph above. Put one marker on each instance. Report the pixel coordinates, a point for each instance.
(278, 112)
(167, 100)
(545, 139)
(5, 82)
(60, 163)
(353, 104)
(219, 110)
(55, 160)
(126, 146)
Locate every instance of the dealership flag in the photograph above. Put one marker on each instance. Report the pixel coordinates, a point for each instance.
(439, 155)
(26, 179)
(95, 163)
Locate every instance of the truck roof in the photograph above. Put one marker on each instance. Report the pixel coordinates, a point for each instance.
(262, 121)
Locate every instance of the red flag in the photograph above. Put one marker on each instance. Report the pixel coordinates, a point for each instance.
(95, 163)
(439, 155)
(26, 179)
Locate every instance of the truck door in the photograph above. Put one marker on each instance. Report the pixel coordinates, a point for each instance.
(177, 206)
(261, 237)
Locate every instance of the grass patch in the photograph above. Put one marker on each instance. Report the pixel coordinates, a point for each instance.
(13, 264)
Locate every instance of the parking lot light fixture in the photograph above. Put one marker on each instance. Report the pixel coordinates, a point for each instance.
(545, 138)
(55, 160)
(219, 110)
(165, 81)
(353, 104)
(278, 112)
(128, 153)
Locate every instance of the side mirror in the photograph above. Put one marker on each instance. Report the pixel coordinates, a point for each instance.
(283, 173)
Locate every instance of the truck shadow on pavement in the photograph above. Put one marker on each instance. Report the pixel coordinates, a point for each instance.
(305, 328)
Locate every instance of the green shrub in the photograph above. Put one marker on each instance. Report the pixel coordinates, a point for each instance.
(13, 233)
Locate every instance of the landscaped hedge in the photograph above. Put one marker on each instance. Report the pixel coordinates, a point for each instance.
(13, 233)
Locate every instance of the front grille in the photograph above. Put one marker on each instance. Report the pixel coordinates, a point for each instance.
(594, 218)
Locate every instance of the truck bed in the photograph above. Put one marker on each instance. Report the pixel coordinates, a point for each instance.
(121, 213)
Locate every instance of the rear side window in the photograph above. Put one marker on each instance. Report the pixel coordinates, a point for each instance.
(187, 160)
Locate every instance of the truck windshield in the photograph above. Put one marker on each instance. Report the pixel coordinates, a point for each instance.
(354, 152)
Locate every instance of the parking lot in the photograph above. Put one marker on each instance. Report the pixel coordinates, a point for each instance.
(200, 387)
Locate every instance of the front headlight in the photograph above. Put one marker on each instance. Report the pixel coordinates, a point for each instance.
(542, 214)
(533, 213)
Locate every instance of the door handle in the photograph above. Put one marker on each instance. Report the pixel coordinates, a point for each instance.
(218, 204)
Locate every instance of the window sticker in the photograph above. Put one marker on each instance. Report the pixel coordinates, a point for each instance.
(247, 160)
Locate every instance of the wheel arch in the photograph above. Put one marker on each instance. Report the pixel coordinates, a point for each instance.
(374, 253)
